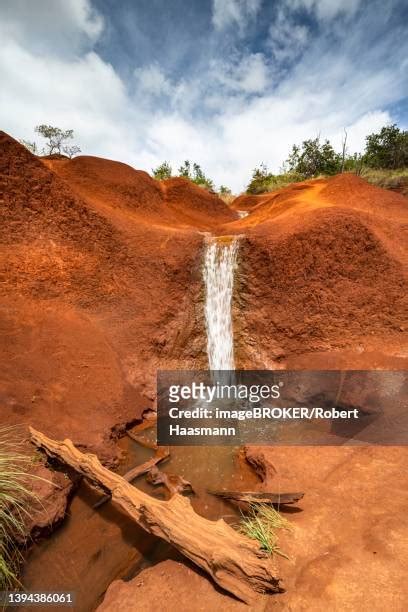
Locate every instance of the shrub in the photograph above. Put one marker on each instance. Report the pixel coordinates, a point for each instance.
(224, 191)
(163, 171)
(312, 158)
(56, 142)
(263, 181)
(387, 149)
(260, 181)
(194, 173)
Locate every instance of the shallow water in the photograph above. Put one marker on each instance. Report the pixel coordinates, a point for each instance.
(94, 547)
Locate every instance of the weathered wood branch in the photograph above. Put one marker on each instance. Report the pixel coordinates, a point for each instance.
(258, 497)
(161, 454)
(173, 482)
(235, 562)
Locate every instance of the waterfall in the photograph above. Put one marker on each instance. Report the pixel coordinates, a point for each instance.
(219, 266)
(242, 213)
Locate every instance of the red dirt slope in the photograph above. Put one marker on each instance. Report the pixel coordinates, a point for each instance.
(93, 299)
(321, 271)
(192, 205)
(107, 185)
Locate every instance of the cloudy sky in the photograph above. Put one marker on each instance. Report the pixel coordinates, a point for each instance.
(226, 83)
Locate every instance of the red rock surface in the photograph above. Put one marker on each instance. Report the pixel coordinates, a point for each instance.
(176, 585)
(52, 491)
(348, 550)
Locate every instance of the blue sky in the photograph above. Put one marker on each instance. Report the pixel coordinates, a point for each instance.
(226, 83)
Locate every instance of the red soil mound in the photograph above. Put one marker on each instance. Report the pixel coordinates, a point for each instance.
(113, 183)
(107, 184)
(102, 286)
(55, 240)
(349, 526)
(194, 205)
(322, 272)
(247, 202)
(93, 303)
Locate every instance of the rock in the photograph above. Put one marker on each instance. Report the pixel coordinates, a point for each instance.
(177, 587)
(52, 491)
(349, 547)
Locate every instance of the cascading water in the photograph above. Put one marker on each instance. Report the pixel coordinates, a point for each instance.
(219, 266)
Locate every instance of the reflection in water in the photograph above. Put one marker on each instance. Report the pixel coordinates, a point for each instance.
(94, 547)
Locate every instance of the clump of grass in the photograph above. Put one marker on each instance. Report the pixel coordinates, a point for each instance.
(16, 498)
(388, 179)
(261, 524)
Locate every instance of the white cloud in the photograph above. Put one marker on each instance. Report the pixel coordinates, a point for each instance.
(327, 9)
(230, 116)
(357, 132)
(248, 76)
(151, 80)
(287, 39)
(57, 26)
(228, 13)
(85, 94)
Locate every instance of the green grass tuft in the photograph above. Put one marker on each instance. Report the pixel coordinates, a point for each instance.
(261, 524)
(15, 501)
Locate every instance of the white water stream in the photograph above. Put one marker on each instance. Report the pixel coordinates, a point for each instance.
(219, 266)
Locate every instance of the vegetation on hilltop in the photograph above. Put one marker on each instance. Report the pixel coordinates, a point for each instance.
(56, 142)
(384, 161)
(385, 151)
(396, 180)
(189, 170)
(262, 180)
(162, 172)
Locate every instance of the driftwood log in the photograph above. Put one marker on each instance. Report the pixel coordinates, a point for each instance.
(235, 562)
(255, 497)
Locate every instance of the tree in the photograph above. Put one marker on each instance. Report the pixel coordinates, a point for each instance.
(225, 191)
(56, 140)
(185, 170)
(71, 151)
(387, 149)
(261, 180)
(163, 171)
(313, 158)
(195, 174)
